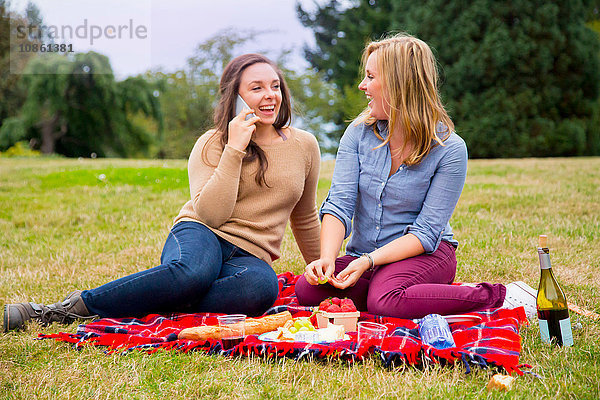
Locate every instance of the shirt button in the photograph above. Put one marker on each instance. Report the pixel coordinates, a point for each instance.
(377, 227)
(382, 183)
(379, 205)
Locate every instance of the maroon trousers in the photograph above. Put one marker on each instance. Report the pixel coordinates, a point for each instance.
(410, 288)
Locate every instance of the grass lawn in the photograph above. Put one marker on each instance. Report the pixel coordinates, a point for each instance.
(68, 224)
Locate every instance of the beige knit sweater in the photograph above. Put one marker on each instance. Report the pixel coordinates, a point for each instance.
(226, 198)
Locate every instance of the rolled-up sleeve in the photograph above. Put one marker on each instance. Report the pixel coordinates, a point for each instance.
(443, 194)
(341, 199)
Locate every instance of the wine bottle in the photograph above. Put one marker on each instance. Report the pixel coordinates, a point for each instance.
(552, 309)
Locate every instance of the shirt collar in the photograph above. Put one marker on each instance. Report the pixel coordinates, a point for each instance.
(382, 127)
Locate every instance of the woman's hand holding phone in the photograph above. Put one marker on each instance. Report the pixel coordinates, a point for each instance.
(241, 130)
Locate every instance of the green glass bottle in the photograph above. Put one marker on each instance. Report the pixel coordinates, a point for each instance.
(552, 308)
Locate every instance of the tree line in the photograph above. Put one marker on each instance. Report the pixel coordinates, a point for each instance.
(72, 104)
(519, 78)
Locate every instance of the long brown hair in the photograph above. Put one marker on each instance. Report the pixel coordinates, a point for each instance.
(409, 77)
(225, 110)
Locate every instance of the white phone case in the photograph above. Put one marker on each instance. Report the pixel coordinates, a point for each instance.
(241, 105)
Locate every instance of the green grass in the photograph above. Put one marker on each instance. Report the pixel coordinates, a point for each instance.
(68, 224)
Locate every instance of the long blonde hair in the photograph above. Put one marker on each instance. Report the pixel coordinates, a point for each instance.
(409, 79)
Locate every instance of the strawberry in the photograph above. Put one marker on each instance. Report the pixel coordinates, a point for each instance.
(349, 304)
(324, 304)
(333, 308)
(346, 301)
(348, 308)
(336, 301)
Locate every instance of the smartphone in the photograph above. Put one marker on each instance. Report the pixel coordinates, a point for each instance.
(240, 105)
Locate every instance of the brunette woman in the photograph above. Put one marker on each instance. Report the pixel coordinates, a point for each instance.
(248, 176)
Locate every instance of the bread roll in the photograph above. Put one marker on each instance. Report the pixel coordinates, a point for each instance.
(254, 326)
(500, 382)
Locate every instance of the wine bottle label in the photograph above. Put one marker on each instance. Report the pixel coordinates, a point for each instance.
(566, 335)
(565, 331)
(544, 331)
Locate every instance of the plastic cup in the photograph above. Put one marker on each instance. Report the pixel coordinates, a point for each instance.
(371, 332)
(234, 329)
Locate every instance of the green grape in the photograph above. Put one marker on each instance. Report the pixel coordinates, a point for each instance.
(306, 322)
(303, 329)
(293, 329)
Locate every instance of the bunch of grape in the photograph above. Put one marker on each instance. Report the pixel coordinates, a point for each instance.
(302, 325)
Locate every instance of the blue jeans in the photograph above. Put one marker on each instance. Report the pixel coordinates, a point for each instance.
(199, 272)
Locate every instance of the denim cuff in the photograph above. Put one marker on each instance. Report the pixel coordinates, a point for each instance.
(329, 208)
(429, 243)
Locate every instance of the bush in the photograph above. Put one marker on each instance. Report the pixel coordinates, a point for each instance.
(20, 149)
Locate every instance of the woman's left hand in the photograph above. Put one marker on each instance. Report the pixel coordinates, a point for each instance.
(349, 275)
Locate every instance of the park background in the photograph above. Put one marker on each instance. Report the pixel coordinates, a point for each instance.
(519, 78)
(92, 171)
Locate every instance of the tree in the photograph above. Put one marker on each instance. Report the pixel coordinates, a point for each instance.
(12, 63)
(341, 32)
(187, 112)
(315, 102)
(190, 95)
(75, 107)
(520, 78)
(594, 125)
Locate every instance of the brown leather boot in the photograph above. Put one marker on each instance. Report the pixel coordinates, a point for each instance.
(70, 309)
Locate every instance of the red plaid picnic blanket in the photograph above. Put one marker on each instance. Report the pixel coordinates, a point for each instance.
(493, 342)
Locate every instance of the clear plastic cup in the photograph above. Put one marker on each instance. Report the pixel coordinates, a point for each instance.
(371, 332)
(234, 329)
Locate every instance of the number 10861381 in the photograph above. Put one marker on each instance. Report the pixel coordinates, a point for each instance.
(45, 48)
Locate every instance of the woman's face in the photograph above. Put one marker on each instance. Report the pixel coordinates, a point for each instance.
(371, 85)
(260, 89)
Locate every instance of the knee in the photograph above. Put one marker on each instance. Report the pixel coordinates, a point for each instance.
(196, 265)
(385, 303)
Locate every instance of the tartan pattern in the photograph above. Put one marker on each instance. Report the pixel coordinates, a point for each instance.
(493, 342)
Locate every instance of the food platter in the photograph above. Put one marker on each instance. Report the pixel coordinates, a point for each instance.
(272, 337)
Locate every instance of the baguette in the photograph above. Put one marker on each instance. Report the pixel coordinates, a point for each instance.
(254, 326)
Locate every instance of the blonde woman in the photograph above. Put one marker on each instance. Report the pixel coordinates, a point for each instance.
(399, 173)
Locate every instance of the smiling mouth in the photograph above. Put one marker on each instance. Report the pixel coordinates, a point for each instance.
(267, 108)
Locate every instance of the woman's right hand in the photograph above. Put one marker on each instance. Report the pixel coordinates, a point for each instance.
(320, 270)
(241, 130)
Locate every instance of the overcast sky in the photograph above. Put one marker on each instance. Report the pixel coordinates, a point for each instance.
(141, 34)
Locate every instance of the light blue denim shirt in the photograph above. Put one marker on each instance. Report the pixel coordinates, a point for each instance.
(417, 199)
